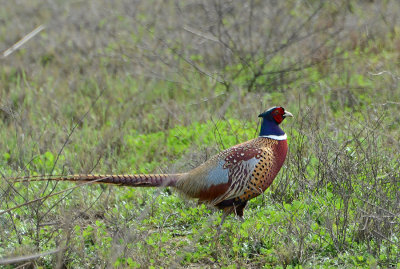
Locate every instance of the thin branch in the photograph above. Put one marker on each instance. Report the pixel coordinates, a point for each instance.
(23, 41)
(28, 257)
(50, 195)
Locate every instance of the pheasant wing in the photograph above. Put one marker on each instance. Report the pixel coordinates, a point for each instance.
(239, 162)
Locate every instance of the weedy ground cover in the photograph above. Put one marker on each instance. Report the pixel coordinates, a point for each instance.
(160, 87)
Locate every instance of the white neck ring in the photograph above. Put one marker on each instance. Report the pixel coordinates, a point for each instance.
(275, 137)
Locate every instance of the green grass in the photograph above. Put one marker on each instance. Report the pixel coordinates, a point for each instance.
(158, 102)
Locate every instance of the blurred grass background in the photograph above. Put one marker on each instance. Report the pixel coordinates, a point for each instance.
(160, 86)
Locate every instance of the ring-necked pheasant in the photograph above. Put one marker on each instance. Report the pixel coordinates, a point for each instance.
(228, 180)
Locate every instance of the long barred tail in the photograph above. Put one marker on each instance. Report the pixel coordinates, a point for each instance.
(150, 180)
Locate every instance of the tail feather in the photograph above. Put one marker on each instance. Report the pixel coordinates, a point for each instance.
(141, 180)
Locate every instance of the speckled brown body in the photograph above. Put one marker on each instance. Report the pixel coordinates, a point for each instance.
(271, 161)
(236, 175)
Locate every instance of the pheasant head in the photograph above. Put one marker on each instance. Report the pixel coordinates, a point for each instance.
(271, 119)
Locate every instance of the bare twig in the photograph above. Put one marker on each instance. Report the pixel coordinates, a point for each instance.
(28, 257)
(23, 41)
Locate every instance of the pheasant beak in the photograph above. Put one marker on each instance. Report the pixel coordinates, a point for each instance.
(287, 114)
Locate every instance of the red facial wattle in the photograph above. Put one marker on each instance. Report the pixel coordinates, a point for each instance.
(277, 114)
